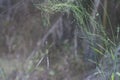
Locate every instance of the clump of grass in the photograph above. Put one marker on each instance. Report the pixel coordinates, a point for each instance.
(54, 6)
(93, 30)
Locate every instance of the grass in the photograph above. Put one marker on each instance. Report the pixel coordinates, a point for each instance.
(105, 46)
(94, 33)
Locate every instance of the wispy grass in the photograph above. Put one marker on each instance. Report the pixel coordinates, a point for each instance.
(94, 31)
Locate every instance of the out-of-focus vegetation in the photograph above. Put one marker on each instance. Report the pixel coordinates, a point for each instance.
(59, 40)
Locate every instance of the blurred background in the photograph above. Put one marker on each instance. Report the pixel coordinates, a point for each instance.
(59, 39)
